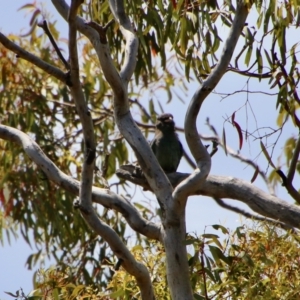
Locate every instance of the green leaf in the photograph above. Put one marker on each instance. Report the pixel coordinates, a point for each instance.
(268, 59)
(239, 232)
(118, 293)
(258, 5)
(209, 235)
(183, 40)
(282, 43)
(259, 20)
(259, 62)
(188, 62)
(248, 56)
(249, 36)
(266, 154)
(218, 254)
(268, 14)
(212, 238)
(55, 294)
(222, 228)
(189, 241)
(152, 109)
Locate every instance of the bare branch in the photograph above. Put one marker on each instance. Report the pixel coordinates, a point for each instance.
(198, 150)
(131, 47)
(236, 189)
(101, 29)
(101, 196)
(84, 114)
(125, 122)
(133, 267)
(250, 74)
(210, 83)
(102, 49)
(44, 26)
(234, 154)
(49, 69)
(251, 216)
(156, 177)
(243, 159)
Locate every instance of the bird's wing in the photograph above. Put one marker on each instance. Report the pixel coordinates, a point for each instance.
(153, 146)
(181, 149)
(180, 154)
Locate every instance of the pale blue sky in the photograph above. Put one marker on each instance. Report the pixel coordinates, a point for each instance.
(201, 211)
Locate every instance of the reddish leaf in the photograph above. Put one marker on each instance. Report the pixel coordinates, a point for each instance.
(153, 51)
(239, 130)
(2, 198)
(34, 17)
(254, 175)
(232, 117)
(224, 141)
(9, 207)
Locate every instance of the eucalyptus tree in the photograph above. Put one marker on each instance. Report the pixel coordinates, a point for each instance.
(63, 112)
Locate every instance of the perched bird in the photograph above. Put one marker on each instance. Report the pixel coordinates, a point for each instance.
(166, 145)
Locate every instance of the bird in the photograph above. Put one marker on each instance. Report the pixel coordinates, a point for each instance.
(166, 145)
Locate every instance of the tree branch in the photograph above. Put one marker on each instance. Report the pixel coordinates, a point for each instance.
(101, 196)
(84, 114)
(232, 153)
(49, 69)
(174, 224)
(102, 49)
(251, 216)
(231, 188)
(132, 43)
(198, 150)
(241, 158)
(289, 186)
(147, 160)
(133, 267)
(259, 201)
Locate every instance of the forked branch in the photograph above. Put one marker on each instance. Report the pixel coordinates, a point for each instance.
(156, 177)
(198, 150)
(20, 52)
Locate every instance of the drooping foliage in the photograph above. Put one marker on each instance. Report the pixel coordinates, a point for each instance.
(246, 263)
(179, 41)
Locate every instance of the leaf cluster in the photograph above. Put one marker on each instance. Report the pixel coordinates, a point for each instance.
(260, 262)
(41, 106)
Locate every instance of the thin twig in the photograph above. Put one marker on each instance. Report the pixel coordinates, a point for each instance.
(289, 186)
(44, 26)
(251, 216)
(101, 29)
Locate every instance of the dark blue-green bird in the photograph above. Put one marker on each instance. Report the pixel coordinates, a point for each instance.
(166, 145)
